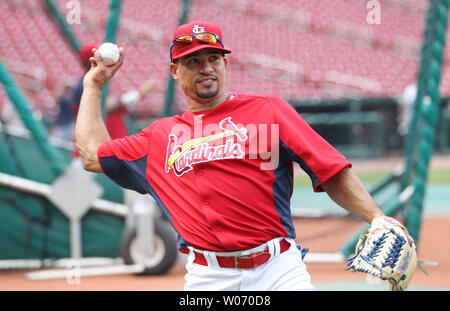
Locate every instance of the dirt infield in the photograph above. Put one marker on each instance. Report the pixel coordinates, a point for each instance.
(320, 235)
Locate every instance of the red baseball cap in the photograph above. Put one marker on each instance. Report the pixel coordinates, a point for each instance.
(192, 29)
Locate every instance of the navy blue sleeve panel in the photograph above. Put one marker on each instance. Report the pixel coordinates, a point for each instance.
(127, 174)
(124, 160)
(284, 149)
(282, 191)
(316, 156)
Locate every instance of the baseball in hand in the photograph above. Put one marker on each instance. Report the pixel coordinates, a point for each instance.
(109, 52)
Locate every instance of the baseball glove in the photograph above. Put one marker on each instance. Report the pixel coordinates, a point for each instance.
(383, 251)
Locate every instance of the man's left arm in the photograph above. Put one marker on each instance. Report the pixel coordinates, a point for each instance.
(328, 169)
(347, 191)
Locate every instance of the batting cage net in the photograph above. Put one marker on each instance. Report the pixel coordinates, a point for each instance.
(352, 68)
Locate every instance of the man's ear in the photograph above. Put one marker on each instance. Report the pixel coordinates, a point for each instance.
(225, 60)
(173, 67)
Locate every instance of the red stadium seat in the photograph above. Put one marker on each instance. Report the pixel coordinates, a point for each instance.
(324, 38)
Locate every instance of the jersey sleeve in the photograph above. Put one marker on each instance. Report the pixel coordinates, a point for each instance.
(319, 159)
(124, 160)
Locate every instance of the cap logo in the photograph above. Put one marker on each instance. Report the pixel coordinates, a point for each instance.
(198, 29)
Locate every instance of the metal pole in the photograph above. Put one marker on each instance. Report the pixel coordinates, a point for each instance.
(64, 26)
(145, 228)
(170, 93)
(111, 36)
(75, 239)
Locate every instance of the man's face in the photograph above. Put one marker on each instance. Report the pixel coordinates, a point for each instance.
(201, 74)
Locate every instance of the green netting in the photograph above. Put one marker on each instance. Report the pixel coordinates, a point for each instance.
(35, 229)
(36, 128)
(429, 111)
(421, 135)
(32, 227)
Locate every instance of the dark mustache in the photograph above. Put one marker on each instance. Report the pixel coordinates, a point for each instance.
(210, 75)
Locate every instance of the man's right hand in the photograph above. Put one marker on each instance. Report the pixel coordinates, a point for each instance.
(100, 73)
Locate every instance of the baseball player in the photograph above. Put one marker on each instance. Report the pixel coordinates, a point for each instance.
(222, 172)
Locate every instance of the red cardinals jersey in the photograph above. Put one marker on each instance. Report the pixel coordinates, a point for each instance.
(224, 177)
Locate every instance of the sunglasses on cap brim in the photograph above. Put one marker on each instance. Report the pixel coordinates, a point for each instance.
(185, 41)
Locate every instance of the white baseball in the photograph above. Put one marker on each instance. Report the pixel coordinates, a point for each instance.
(109, 52)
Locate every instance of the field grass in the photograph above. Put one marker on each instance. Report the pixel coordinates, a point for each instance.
(436, 176)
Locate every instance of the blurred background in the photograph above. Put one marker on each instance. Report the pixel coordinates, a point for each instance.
(321, 56)
(351, 68)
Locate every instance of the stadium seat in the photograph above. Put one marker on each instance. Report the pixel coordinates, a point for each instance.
(320, 37)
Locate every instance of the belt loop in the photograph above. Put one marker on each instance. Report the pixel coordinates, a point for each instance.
(191, 254)
(274, 247)
(271, 247)
(211, 259)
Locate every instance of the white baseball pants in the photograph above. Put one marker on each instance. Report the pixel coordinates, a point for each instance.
(282, 272)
